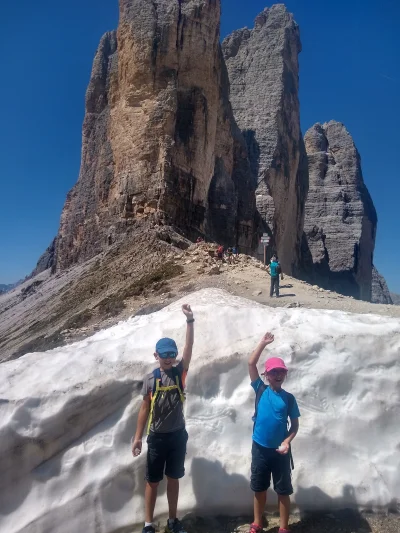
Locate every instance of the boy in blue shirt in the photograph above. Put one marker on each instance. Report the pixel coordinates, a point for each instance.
(271, 437)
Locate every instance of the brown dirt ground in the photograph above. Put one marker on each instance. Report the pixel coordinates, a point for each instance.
(139, 277)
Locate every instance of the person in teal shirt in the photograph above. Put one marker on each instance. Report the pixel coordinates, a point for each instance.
(274, 269)
(271, 436)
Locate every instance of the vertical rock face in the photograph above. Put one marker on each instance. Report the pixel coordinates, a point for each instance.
(340, 218)
(87, 213)
(263, 72)
(46, 260)
(395, 298)
(159, 139)
(380, 292)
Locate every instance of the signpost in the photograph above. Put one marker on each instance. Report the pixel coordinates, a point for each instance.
(265, 241)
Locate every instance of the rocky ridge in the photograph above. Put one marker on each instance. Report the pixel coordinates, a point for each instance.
(395, 298)
(340, 218)
(380, 292)
(46, 260)
(264, 78)
(139, 276)
(162, 146)
(159, 140)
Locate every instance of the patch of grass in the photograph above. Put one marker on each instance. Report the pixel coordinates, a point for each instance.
(153, 280)
(156, 280)
(189, 287)
(151, 308)
(111, 306)
(79, 320)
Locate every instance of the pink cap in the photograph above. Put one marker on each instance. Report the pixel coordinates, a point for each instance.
(274, 362)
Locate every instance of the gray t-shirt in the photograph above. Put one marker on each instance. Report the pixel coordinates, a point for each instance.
(168, 408)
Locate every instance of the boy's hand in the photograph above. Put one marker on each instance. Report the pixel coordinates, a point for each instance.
(136, 447)
(267, 339)
(187, 311)
(283, 448)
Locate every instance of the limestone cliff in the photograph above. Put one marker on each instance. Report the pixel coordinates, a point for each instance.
(380, 292)
(263, 71)
(160, 144)
(395, 298)
(46, 260)
(340, 219)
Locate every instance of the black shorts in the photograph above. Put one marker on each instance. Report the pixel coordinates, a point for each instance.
(267, 461)
(166, 452)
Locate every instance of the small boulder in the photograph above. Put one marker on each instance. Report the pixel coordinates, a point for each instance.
(214, 271)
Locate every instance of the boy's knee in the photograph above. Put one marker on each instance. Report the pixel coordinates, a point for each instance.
(153, 484)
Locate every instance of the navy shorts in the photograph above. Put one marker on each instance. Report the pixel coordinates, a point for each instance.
(166, 452)
(267, 461)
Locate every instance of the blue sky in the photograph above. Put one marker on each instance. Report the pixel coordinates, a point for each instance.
(349, 72)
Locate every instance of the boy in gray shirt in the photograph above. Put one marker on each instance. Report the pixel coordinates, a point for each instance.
(162, 409)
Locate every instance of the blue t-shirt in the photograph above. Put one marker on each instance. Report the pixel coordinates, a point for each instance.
(270, 429)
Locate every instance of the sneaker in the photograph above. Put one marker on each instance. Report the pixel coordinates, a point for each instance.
(174, 527)
(149, 529)
(255, 528)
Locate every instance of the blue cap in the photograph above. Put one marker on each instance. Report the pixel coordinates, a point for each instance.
(166, 345)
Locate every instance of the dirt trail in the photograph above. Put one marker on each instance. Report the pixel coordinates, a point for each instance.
(248, 278)
(141, 277)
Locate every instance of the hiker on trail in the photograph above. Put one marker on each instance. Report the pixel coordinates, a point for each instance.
(220, 252)
(274, 269)
(229, 253)
(271, 452)
(162, 408)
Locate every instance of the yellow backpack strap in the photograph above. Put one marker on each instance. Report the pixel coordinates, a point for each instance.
(179, 389)
(153, 401)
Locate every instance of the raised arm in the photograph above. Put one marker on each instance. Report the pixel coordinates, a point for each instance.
(268, 338)
(187, 351)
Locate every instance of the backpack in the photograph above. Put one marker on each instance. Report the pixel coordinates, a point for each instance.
(175, 374)
(274, 268)
(157, 389)
(279, 269)
(259, 393)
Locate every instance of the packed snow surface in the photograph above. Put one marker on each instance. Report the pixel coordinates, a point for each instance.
(67, 416)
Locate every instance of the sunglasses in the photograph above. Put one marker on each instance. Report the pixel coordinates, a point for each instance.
(168, 355)
(276, 371)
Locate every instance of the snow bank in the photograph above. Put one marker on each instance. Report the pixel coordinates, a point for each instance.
(67, 416)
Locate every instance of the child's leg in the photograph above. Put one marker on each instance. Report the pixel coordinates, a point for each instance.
(154, 473)
(271, 290)
(175, 468)
(281, 473)
(260, 479)
(172, 497)
(150, 497)
(260, 499)
(284, 511)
